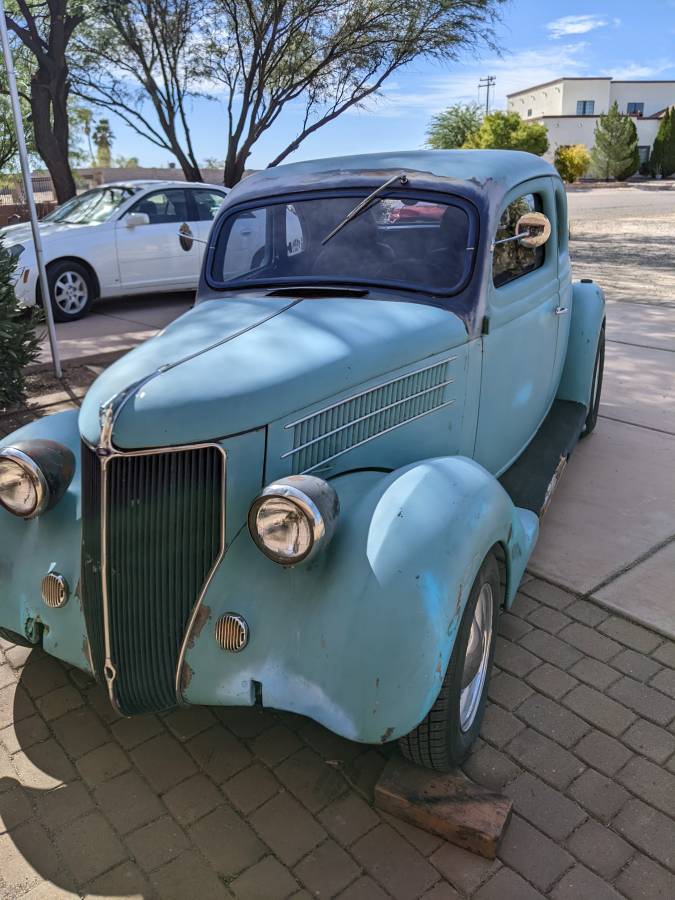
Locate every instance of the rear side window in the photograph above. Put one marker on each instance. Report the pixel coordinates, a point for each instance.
(208, 203)
(164, 207)
(511, 260)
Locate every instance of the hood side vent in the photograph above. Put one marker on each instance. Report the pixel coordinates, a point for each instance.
(327, 434)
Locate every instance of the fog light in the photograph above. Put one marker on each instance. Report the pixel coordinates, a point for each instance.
(232, 632)
(55, 590)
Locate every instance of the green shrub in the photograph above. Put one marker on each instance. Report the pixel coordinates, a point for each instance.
(19, 344)
(507, 131)
(615, 154)
(572, 161)
(662, 161)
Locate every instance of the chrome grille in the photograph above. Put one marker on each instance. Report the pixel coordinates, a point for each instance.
(163, 536)
(329, 433)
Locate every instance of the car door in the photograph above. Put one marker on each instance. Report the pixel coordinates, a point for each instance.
(519, 348)
(152, 256)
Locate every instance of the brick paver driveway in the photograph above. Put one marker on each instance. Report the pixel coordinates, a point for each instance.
(207, 803)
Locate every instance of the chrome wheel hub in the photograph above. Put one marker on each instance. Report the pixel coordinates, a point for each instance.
(475, 668)
(70, 292)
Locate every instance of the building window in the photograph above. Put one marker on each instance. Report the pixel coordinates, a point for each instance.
(635, 109)
(529, 113)
(585, 107)
(644, 153)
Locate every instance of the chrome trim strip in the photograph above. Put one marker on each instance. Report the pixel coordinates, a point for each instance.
(369, 390)
(327, 434)
(105, 455)
(373, 436)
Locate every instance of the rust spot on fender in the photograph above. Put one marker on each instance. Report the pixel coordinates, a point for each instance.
(438, 666)
(185, 677)
(202, 617)
(387, 734)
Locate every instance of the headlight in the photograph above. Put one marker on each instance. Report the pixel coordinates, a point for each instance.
(16, 250)
(34, 475)
(293, 518)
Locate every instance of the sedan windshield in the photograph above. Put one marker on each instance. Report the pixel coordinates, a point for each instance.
(398, 240)
(91, 207)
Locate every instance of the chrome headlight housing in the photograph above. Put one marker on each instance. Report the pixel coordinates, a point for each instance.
(34, 475)
(293, 518)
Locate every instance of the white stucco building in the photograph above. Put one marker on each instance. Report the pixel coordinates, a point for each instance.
(570, 107)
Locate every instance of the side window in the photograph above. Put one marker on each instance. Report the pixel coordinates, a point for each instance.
(246, 244)
(208, 203)
(164, 207)
(511, 260)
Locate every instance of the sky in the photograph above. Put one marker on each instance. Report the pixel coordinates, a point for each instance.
(541, 40)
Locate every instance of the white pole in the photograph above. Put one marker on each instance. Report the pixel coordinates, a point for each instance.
(28, 187)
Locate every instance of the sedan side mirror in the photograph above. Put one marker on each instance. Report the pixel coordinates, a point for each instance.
(533, 229)
(136, 218)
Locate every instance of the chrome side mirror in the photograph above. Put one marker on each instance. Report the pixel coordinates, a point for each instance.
(533, 229)
(135, 218)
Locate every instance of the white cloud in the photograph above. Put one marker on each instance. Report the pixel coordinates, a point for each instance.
(571, 25)
(426, 95)
(637, 70)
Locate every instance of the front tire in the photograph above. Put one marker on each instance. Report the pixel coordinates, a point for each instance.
(71, 288)
(596, 386)
(443, 739)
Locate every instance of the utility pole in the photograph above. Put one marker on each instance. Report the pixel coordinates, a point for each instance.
(28, 188)
(488, 82)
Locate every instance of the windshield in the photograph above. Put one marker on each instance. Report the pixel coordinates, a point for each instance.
(92, 207)
(398, 240)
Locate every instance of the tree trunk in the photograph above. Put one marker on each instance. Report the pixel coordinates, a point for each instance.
(235, 164)
(49, 109)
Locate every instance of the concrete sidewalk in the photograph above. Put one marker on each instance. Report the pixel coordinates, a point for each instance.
(610, 531)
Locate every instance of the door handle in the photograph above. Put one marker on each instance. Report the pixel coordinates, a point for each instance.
(560, 310)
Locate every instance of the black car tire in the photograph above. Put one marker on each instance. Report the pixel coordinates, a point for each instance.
(596, 386)
(440, 742)
(64, 275)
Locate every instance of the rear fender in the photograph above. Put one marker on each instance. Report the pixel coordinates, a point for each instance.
(51, 542)
(360, 638)
(588, 314)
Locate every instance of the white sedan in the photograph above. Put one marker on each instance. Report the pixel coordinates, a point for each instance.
(120, 238)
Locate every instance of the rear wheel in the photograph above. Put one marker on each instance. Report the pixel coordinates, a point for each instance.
(444, 737)
(72, 290)
(596, 386)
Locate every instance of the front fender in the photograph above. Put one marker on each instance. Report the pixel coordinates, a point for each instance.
(588, 313)
(360, 639)
(51, 542)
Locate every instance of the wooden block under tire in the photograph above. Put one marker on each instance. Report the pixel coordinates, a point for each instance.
(449, 805)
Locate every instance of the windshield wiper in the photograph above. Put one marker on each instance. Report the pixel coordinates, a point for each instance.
(401, 177)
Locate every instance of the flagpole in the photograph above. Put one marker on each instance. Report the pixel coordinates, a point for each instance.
(28, 188)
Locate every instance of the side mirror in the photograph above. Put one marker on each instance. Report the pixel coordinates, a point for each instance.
(533, 230)
(136, 218)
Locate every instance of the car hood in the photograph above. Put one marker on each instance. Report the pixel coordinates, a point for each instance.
(22, 234)
(231, 365)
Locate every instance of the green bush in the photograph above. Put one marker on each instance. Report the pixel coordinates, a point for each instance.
(662, 161)
(507, 131)
(19, 344)
(572, 161)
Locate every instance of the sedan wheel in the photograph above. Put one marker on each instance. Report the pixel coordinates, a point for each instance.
(71, 289)
(444, 737)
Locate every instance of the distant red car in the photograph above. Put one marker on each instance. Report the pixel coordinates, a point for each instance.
(416, 213)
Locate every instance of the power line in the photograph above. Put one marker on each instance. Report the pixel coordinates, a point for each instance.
(489, 81)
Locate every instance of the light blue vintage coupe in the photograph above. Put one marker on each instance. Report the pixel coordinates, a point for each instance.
(302, 493)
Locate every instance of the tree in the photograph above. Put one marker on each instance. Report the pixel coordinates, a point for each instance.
(103, 138)
(322, 56)
(507, 131)
(19, 344)
(454, 126)
(138, 59)
(126, 162)
(8, 145)
(45, 30)
(572, 161)
(615, 154)
(662, 161)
